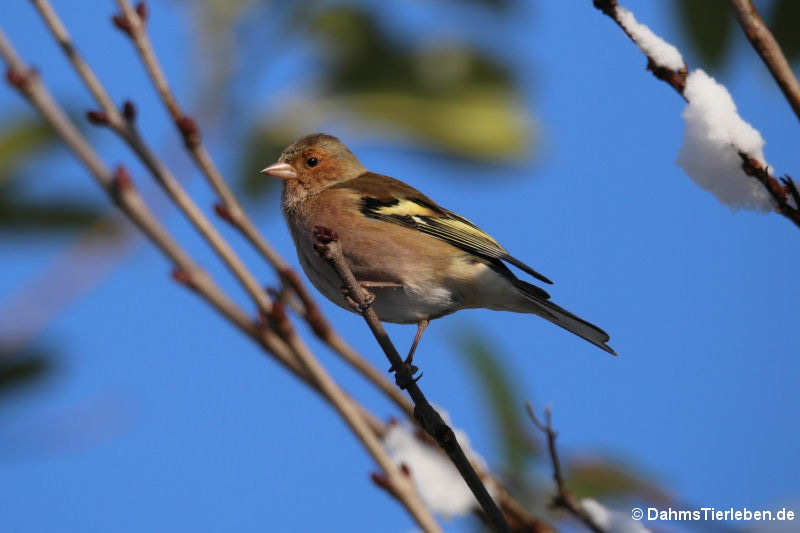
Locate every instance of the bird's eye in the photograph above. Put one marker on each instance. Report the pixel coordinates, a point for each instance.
(312, 161)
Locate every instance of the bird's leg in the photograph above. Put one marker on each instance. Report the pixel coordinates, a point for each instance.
(412, 369)
(379, 284)
(420, 330)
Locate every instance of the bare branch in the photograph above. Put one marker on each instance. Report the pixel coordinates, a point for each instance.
(563, 499)
(119, 187)
(677, 80)
(127, 130)
(400, 483)
(780, 191)
(323, 330)
(327, 246)
(64, 40)
(232, 211)
(770, 51)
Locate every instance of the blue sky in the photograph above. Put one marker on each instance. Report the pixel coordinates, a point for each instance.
(162, 417)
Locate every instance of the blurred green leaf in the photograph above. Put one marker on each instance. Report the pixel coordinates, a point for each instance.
(477, 124)
(604, 479)
(783, 21)
(61, 216)
(450, 96)
(21, 139)
(19, 370)
(220, 13)
(708, 23)
(361, 56)
(508, 414)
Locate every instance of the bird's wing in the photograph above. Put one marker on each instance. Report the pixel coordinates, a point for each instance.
(390, 200)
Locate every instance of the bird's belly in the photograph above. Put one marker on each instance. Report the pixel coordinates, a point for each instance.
(404, 304)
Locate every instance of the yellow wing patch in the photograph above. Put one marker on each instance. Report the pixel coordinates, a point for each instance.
(435, 221)
(405, 208)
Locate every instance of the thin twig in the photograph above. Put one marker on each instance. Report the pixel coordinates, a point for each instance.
(770, 51)
(125, 127)
(328, 246)
(780, 191)
(400, 482)
(563, 499)
(231, 210)
(677, 80)
(120, 188)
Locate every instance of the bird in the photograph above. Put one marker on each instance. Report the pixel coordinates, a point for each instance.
(417, 259)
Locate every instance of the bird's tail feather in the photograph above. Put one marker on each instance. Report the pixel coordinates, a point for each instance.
(561, 317)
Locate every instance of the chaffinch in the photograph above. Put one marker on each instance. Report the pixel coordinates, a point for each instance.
(419, 260)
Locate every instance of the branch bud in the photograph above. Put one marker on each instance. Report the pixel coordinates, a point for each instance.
(278, 320)
(142, 11)
(189, 130)
(98, 118)
(129, 111)
(223, 212)
(182, 277)
(381, 481)
(19, 80)
(122, 178)
(122, 23)
(120, 182)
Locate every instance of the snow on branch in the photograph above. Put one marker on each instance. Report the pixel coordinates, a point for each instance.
(660, 51)
(714, 136)
(721, 152)
(438, 481)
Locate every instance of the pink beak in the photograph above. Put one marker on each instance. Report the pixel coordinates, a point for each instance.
(283, 171)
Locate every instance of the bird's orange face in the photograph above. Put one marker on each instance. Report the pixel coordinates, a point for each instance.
(313, 163)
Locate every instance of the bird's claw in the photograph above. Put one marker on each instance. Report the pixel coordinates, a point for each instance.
(358, 307)
(406, 377)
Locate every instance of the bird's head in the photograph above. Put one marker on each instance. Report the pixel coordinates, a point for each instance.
(314, 163)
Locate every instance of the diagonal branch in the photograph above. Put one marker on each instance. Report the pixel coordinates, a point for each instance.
(328, 246)
(118, 185)
(676, 78)
(133, 23)
(123, 124)
(770, 51)
(120, 188)
(402, 487)
(563, 498)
